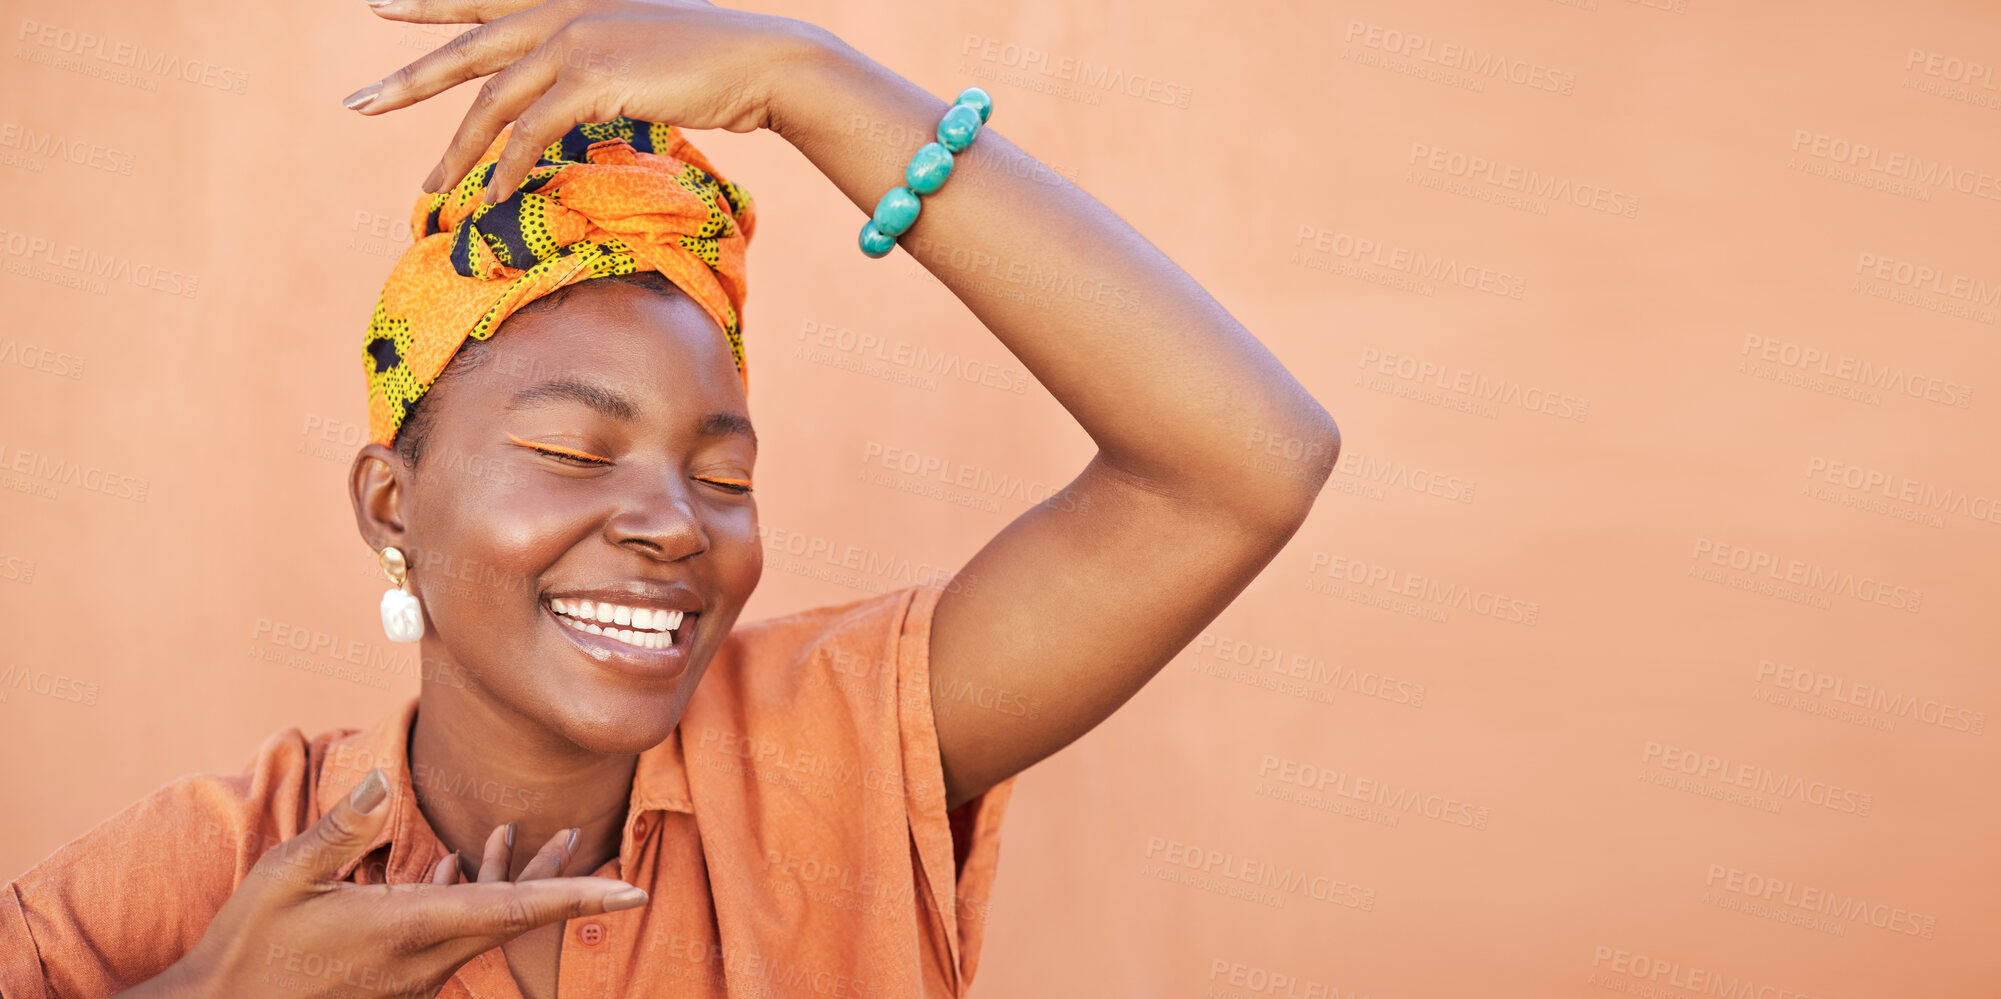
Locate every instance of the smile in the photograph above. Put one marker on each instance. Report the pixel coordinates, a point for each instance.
(648, 628)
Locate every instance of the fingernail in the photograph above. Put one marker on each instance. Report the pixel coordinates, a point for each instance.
(488, 196)
(363, 97)
(510, 835)
(370, 793)
(380, 3)
(574, 833)
(436, 178)
(625, 898)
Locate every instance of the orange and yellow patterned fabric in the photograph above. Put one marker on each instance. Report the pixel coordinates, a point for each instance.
(607, 198)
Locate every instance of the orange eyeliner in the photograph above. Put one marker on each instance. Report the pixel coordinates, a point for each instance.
(558, 449)
(728, 482)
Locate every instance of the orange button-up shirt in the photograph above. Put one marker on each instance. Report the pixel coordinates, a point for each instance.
(792, 833)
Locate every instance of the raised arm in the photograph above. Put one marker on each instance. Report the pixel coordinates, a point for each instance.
(1209, 454)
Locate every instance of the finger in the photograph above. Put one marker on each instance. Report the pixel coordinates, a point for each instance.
(559, 110)
(341, 835)
(501, 98)
(554, 856)
(571, 867)
(467, 56)
(449, 11)
(482, 915)
(499, 854)
(446, 871)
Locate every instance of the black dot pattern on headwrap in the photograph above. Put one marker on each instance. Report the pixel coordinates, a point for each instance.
(520, 243)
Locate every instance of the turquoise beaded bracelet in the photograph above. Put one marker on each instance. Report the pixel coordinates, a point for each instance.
(897, 211)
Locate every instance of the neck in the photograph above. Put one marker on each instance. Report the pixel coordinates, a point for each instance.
(477, 765)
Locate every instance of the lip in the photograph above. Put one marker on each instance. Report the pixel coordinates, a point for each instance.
(651, 664)
(672, 596)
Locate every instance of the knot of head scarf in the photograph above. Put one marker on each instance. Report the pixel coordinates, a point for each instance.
(607, 198)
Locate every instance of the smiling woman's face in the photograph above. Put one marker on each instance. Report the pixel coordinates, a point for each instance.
(589, 467)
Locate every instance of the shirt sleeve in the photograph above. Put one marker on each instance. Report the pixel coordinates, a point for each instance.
(121, 903)
(960, 849)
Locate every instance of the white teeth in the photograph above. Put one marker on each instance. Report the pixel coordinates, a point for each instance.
(638, 639)
(649, 629)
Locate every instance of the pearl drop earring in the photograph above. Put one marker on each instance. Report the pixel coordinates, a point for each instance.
(402, 616)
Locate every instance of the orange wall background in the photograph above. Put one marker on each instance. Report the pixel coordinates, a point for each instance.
(1642, 641)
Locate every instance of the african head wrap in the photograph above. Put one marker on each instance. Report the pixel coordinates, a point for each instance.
(608, 198)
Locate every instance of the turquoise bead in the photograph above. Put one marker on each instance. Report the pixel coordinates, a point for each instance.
(927, 172)
(957, 128)
(977, 99)
(874, 243)
(928, 169)
(896, 211)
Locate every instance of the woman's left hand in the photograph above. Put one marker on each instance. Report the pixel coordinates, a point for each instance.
(558, 64)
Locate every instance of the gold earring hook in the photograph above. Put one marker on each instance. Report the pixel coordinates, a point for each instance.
(396, 567)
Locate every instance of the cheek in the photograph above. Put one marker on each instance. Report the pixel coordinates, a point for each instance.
(739, 548)
(485, 550)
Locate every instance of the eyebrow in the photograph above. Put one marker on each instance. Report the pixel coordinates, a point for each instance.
(597, 397)
(728, 424)
(615, 406)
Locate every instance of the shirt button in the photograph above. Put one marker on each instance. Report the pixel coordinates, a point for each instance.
(591, 933)
(639, 827)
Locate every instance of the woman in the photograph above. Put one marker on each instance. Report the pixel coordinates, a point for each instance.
(610, 789)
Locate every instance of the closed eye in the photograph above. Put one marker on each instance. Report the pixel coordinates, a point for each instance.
(738, 486)
(558, 451)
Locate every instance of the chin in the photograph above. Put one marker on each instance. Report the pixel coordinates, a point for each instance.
(605, 697)
(619, 723)
(599, 696)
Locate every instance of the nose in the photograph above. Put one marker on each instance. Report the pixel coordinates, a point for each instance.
(657, 518)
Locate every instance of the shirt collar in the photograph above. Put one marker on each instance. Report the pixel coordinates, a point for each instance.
(661, 779)
(659, 783)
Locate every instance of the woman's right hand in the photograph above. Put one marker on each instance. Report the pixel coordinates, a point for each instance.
(292, 931)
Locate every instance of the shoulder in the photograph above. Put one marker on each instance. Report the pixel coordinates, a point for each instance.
(863, 617)
(198, 814)
(129, 896)
(825, 688)
(846, 646)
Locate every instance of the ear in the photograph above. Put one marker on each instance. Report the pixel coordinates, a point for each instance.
(377, 484)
